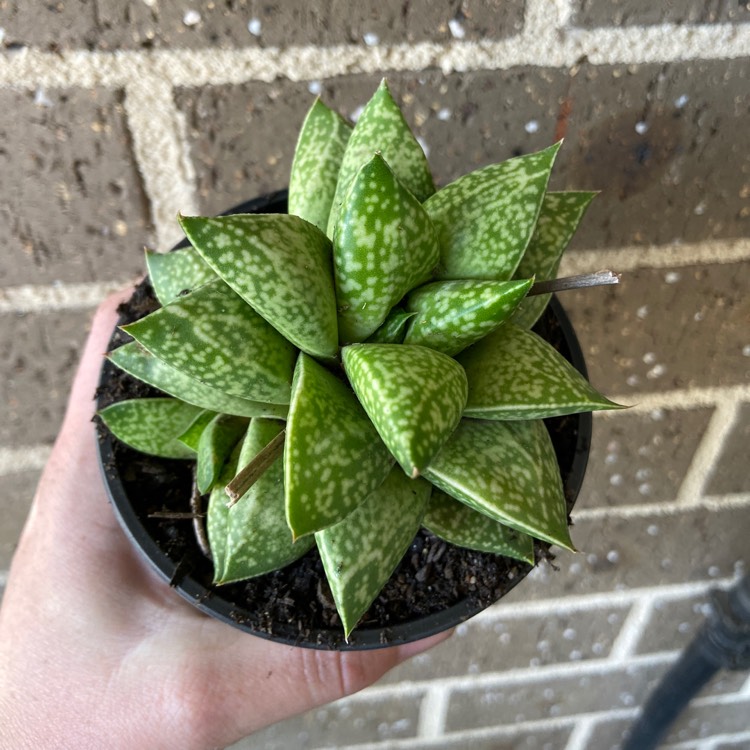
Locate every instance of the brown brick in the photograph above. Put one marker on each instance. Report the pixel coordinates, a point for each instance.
(343, 723)
(18, 491)
(550, 698)
(682, 180)
(623, 553)
(502, 644)
(641, 458)
(39, 355)
(618, 13)
(132, 24)
(556, 696)
(673, 623)
(243, 136)
(661, 329)
(695, 722)
(706, 721)
(659, 142)
(730, 472)
(72, 207)
(539, 739)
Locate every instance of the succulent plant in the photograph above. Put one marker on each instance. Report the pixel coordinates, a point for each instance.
(363, 365)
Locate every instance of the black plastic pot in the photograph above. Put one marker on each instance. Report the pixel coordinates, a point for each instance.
(125, 473)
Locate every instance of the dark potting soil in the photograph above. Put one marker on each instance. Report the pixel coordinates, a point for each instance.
(296, 602)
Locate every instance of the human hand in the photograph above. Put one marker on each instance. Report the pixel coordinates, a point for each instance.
(97, 652)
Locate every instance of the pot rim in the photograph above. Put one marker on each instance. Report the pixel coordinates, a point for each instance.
(209, 599)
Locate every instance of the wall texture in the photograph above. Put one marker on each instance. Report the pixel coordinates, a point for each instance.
(114, 116)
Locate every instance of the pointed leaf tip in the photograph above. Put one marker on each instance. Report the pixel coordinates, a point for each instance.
(333, 456)
(413, 395)
(281, 266)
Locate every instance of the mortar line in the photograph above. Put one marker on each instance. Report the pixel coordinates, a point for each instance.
(41, 298)
(29, 68)
(634, 257)
(581, 734)
(545, 19)
(607, 599)
(677, 399)
(632, 629)
(521, 675)
(709, 449)
(156, 128)
(25, 458)
(536, 725)
(73, 296)
(432, 713)
(664, 510)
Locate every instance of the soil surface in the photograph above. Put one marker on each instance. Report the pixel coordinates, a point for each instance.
(295, 603)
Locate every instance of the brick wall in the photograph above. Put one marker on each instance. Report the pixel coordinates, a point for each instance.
(115, 116)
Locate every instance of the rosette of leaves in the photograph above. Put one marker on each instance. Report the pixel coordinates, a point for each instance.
(367, 358)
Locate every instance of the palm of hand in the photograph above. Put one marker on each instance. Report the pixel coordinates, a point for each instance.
(96, 649)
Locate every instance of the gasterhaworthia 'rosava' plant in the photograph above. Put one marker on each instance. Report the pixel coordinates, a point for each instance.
(379, 335)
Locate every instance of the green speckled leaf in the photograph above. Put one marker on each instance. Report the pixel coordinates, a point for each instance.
(384, 245)
(140, 363)
(485, 219)
(151, 425)
(281, 266)
(515, 374)
(317, 159)
(333, 457)
(176, 273)
(216, 442)
(558, 220)
(361, 552)
(381, 127)
(452, 315)
(393, 329)
(192, 435)
(217, 515)
(463, 526)
(257, 539)
(215, 337)
(508, 471)
(413, 395)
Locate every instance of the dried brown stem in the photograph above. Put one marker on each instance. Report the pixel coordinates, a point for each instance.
(196, 506)
(255, 469)
(601, 278)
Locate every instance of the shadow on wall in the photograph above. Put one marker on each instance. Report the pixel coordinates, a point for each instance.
(667, 177)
